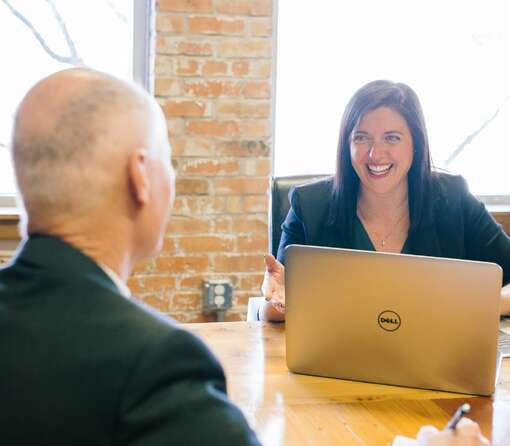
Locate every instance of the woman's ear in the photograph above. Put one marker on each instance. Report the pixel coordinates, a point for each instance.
(138, 176)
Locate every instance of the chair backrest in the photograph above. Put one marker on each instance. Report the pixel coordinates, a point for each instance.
(279, 204)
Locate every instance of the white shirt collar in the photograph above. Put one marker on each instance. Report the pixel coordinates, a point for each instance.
(121, 286)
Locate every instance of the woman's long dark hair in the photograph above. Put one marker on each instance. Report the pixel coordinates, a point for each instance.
(402, 99)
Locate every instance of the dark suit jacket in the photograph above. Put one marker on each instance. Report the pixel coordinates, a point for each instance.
(459, 226)
(82, 365)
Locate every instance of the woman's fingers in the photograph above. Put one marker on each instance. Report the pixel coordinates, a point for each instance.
(273, 288)
(272, 265)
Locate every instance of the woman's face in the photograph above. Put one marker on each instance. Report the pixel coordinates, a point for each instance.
(382, 151)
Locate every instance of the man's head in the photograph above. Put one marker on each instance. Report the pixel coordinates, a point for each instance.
(91, 154)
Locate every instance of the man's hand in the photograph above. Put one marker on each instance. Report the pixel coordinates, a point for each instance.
(273, 286)
(467, 433)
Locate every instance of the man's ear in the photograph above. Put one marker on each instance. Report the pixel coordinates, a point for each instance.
(138, 176)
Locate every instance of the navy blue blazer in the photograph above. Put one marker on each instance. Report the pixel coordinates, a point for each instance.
(82, 365)
(459, 226)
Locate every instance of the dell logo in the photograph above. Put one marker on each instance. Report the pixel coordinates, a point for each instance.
(389, 320)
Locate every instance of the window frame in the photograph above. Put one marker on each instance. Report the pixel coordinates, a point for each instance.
(143, 73)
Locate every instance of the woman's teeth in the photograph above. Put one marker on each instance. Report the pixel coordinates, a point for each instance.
(379, 169)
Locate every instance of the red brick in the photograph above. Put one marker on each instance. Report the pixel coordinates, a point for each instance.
(263, 68)
(143, 266)
(168, 245)
(198, 205)
(238, 263)
(222, 225)
(256, 203)
(170, 23)
(257, 89)
(169, 44)
(236, 7)
(186, 5)
(134, 283)
(186, 67)
(192, 318)
(185, 108)
(164, 65)
(240, 186)
(240, 301)
(243, 148)
(251, 282)
(213, 25)
(158, 283)
(243, 109)
(165, 86)
(233, 204)
(210, 167)
(209, 243)
(191, 146)
(240, 68)
(261, 27)
(244, 48)
(191, 186)
(213, 128)
(252, 243)
(214, 68)
(234, 316)
(195, 48)
(245, 7)
(158, 303)
(204, 88)
(256, 128)
(186, 301)
(194, 282)
(257, 167)
(262, 7)
(188, 225)
(249, 224)
(175, 125)
(182, 264)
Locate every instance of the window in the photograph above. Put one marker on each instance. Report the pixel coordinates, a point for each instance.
(453, 54)
(47, 36)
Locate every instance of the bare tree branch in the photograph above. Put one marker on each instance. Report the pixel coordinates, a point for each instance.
(119, 14)
(471, 137)
(74, 59)
(63, 27)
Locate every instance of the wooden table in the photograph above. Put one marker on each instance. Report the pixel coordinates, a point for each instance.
(290, 409)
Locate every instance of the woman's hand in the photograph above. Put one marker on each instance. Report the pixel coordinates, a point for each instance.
(467, 433)
(273, 286)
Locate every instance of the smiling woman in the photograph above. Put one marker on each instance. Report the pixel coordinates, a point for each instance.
(384, 195)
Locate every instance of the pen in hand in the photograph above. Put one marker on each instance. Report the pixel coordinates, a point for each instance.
(459, 413)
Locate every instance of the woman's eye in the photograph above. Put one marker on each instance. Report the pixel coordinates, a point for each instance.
(360, 138)
(392, 138)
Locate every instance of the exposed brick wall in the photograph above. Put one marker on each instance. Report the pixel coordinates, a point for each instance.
(213, 81)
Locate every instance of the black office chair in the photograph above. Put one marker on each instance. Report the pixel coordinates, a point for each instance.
(279, 204)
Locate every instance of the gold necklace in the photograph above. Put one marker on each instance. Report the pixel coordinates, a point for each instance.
(376, 235)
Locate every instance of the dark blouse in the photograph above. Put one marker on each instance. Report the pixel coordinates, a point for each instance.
(459, 227)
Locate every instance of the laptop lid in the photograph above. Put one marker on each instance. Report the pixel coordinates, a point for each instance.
(392, 319)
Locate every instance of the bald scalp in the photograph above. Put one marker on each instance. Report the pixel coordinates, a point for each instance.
(72, 136)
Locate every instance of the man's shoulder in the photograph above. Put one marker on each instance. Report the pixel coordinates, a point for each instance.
(149, 326)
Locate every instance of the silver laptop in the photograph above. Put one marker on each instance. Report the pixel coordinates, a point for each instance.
(396, 319)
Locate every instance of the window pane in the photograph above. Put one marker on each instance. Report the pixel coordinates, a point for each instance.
(98, 33)
(453, 54)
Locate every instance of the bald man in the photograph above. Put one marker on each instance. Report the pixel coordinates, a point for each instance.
(80, 363)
